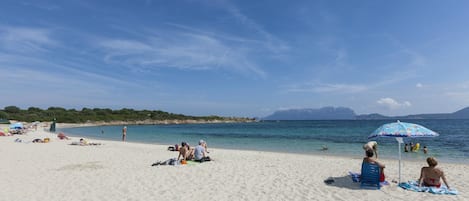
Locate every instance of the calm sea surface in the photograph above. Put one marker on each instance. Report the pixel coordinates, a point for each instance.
(306, 137)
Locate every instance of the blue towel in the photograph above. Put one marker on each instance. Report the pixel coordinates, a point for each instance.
(414, 186)
(355, 176)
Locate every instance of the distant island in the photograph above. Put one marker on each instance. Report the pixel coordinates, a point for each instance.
(344, 113)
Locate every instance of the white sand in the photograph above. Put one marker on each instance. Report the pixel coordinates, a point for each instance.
(122, 171)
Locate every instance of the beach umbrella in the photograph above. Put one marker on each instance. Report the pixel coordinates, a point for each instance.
(401, 130)
(18, 125)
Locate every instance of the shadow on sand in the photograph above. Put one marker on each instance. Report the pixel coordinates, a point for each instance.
(342, 182)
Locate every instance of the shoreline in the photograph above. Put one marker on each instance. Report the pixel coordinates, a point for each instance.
(317, 153)
(151, 122)
(122, 171)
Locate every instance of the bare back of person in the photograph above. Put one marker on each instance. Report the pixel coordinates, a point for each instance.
(431, 176)
(186, 153)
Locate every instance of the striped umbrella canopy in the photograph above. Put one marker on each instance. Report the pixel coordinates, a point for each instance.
(401, 130)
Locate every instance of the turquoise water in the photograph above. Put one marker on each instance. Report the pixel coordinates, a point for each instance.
(306, 137)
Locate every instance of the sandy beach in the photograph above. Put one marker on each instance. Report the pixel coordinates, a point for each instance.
(122, 171)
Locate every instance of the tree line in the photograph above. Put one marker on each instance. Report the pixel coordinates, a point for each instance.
(63, 115)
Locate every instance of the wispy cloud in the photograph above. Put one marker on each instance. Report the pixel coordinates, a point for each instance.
(392, 104)
(181, 50)
(25, 39)
(327, 88)
(274, 44)
(414, 58)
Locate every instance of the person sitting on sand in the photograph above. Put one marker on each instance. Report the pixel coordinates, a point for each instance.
(369, 159)
(430, 176)
(62, 136)
(200, 154)
(185, 152)
(371, 145)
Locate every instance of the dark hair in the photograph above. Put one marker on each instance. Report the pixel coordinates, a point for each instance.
(183, 143)
(369, 153)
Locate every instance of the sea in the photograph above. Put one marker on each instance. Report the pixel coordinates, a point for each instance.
(341, 137)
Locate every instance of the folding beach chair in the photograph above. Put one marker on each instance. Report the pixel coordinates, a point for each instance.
(370, 176)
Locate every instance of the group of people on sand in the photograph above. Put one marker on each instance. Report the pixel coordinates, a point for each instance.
(186, 153)
(198, 153)
(429, 176)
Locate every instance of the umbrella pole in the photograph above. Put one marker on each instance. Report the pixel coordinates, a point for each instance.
(399, 162)
(399, 142)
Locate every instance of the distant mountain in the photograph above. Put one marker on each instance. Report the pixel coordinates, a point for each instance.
(325, 113)
(371, 116)
(460, 114)
(343, 113)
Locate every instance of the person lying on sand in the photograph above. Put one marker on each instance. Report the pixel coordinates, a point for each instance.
(84, 142)
(37, 140)
(430, 176)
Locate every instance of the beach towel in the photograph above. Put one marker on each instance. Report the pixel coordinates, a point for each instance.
(356, 178)
(414, 186)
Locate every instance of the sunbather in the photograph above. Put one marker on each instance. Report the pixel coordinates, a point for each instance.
(430, 176)
(369, 159)
(37, 140)
(185, 152)
(84, 142)
(62, 136)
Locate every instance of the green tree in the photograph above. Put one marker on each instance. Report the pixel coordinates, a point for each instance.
(4, 115)
(12, 109)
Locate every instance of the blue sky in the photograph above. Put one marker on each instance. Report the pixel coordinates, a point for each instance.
(236, 58)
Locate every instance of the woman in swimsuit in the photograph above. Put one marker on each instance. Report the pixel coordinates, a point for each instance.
(430, 176)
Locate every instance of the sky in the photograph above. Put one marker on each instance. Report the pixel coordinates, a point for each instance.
(236, 58)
